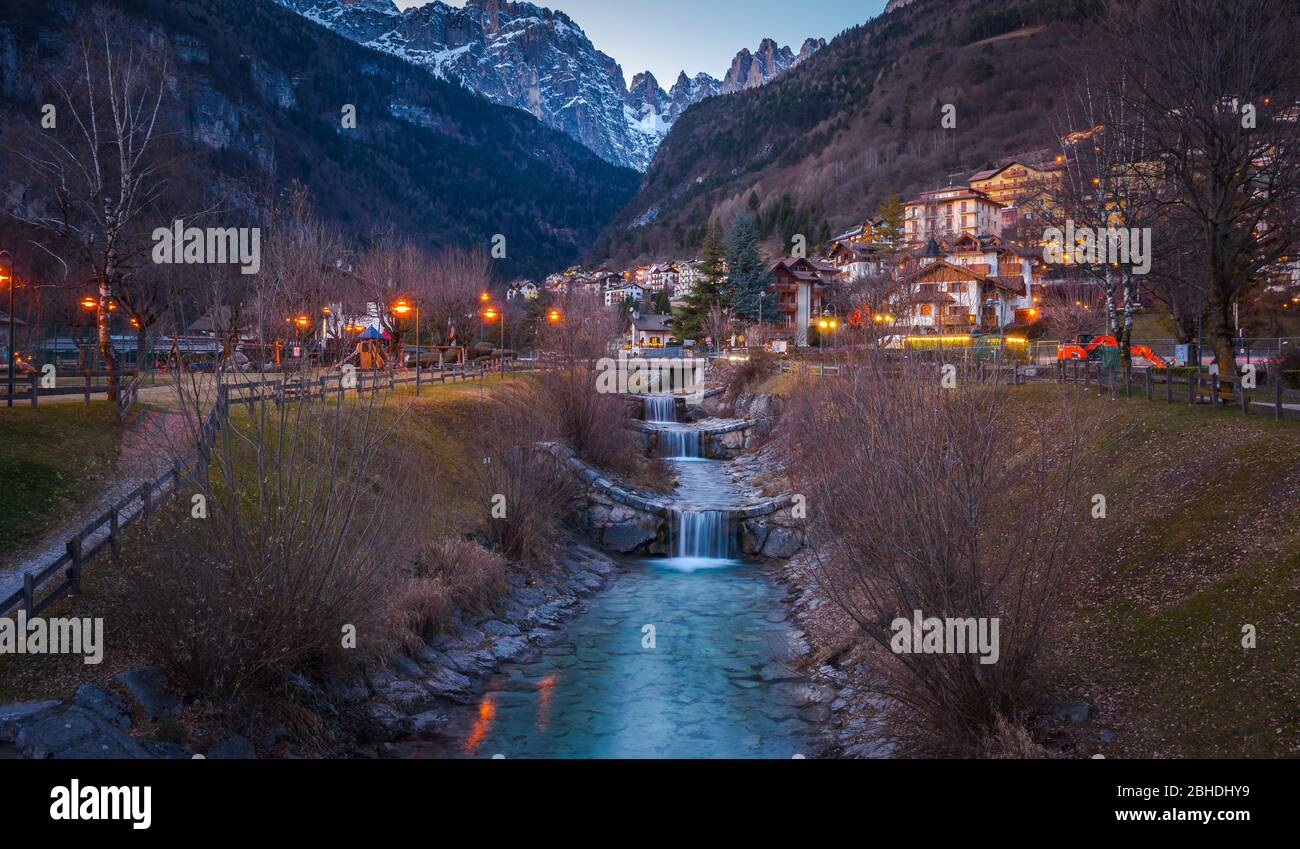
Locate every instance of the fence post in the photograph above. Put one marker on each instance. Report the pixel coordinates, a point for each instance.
(74, 569)
(1114, 384)
(114, 525)
(1245, 396)
(1193, 384)
(146, 499)
(1087, 374)
(35, 387)
(1148, 378)
(1277, 396)
(87, 392)
(1214, 392)
(1128, 380)
(29, 595)
(1015, 374)
(1169, 385)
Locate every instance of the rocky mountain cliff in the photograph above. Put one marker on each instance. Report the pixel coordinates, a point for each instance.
(539, 60)
(255, 94)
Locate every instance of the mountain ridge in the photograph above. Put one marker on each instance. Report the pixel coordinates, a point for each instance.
(539, 60)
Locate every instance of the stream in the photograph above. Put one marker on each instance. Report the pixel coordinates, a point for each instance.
(685, 656)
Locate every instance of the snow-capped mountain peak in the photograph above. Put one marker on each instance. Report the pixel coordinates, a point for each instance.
(539, 60)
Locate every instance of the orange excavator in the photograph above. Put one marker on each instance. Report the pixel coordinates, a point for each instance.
(1090, 347)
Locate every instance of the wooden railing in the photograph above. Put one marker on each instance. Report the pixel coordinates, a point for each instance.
(1193, 387)
(45, 584)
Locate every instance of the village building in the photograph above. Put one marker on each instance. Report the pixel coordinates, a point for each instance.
(633, 292)
(650, 330)
(662, 277)
(950, 212)
(855, 261)
(976, 284)
(1016, 180)
(800, 285)
(524, 290)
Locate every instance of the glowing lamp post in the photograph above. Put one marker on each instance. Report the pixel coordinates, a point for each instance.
(402, 308)
(13, 284)
(491, 314)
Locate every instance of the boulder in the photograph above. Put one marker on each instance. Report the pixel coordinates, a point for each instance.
(782, 542)
(626, 537)
(233, 748)
(14, 716)
(108, 705)
(147, 687)
(75, 732)
(753, 534)
(403, 665)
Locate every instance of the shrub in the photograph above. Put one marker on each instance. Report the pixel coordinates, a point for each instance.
(297, 543)
(923, 498)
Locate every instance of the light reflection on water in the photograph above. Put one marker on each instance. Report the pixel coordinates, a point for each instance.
(715, 684)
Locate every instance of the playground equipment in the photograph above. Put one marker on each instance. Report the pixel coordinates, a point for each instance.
(1097, 347)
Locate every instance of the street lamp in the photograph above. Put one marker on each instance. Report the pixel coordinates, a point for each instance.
(402, 308)
(553, 316)
(13, 284)
(490, 315)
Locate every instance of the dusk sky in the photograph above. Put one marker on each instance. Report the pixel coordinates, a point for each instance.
(667, 36)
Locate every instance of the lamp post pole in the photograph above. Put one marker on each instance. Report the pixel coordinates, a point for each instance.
(418, 352)
(13, 284)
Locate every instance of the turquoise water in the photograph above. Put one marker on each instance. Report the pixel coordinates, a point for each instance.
(716, 683)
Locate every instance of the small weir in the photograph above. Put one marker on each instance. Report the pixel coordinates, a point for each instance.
(677, 441)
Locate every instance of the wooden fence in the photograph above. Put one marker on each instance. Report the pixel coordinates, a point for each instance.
(1194, 388)
(44, 585)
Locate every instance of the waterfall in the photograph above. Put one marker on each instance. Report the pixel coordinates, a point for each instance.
(660, 408)
(703, 534)
(679, 443)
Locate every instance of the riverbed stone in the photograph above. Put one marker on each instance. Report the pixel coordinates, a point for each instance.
(448, 682)
(428, 722)
(509, 649)
(404, 695)
(403, 665)
(75, 732)
(782, 543)
(384, 722)
(626, 537)
(14, 716)
(233, 748)
(109, 705)
(147, 686)
(497, 628)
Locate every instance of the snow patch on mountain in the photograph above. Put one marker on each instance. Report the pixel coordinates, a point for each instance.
(539, 60)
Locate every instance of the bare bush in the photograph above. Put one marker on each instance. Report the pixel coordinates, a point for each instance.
(447, 576)
(924, 498)
(519, 491)
(266, 562)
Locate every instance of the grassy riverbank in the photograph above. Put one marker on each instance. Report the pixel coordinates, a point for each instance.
(52, 460)
(1201, 539)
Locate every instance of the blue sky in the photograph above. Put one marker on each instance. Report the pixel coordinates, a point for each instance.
(667, 36)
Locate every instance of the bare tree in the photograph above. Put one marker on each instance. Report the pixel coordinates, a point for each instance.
(449, 294)
(1104, 188)
(101, 161)
(1217, 91)
(300, 274)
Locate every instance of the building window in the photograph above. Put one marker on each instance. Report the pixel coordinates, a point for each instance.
(926, 309)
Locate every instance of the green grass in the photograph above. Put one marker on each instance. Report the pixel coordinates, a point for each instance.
(1202, 538)
(52, 460)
